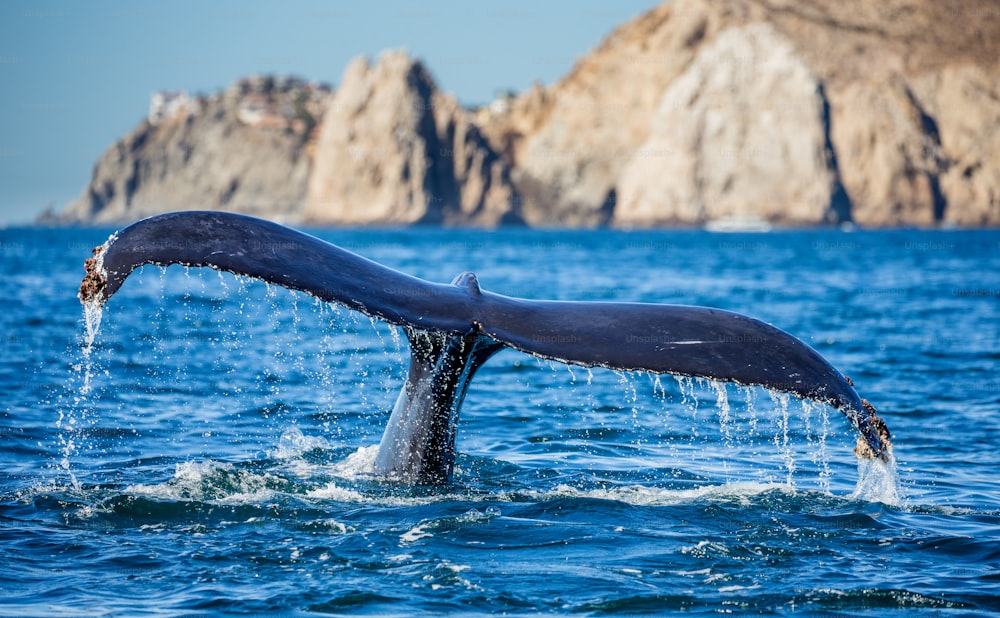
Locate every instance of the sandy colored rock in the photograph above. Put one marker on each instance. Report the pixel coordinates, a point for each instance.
(394, 150)
(908, 122)
(914, 104)
(794, 111)
(890, 153)
(964, 101)
(592, 121)
(207, 157)
(741, 133)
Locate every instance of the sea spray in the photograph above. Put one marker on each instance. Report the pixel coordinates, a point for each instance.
(630, 395)
(71, 418)
(92, 313)
(878, 481)
(725, 423)
(689, 401)
(723, 412)
(781, 438)
(750, 399)
(818, 452)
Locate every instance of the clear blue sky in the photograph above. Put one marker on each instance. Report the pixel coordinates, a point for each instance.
(75, 76)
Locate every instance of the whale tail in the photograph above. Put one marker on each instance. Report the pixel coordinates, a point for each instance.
(454, 328)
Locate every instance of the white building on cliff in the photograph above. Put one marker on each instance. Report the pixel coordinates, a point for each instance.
(165, 105)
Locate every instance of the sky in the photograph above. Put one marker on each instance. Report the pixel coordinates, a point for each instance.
(76, 76)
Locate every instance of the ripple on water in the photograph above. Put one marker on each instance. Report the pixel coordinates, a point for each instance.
(208, 448)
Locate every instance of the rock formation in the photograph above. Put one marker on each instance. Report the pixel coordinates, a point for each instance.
(394, 150)
(914, 93)
(571, 142)
(882, 114)
(799, 112)
(741, 133)
(244, 150)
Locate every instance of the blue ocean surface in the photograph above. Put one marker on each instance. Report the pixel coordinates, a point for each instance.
(202, 450)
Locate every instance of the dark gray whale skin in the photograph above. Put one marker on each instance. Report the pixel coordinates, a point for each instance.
(454, 328)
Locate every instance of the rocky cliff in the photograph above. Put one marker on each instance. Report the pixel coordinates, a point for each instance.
(704, 159)
(395, 150)
(800, 112)
(795, 111)
(242, 150)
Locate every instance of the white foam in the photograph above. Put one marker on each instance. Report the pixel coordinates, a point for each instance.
(293, 443)
(335, 527)
(415, 534)
(339, 493)
(878, 481)
(201, 480)
(639, 495)
(333, 491)
(360, 463)
(692, 573)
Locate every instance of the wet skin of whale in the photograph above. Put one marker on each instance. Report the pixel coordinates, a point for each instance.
(454, 328)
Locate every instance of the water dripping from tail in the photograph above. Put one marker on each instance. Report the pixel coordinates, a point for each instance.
(878, 479)
(781, 437)
(92, 313)
(782, 442)
(722, 412)
(74, 411)
(72, 417)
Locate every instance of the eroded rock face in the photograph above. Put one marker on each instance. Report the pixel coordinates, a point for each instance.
(884, 114)
(794, 111)
(572, 141)
(964, 102)
(212, 155)
(394, 150)
(742, 132)
(891, 154)
(912, 88)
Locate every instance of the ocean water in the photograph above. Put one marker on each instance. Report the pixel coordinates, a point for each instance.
(202, 450)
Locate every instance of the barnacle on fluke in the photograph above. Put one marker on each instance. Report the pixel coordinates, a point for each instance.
(862, 449)
(94, 282)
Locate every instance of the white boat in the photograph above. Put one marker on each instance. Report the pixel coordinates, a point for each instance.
(738, 223)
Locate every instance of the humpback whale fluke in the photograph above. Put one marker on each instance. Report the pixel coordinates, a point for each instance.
(454, 328)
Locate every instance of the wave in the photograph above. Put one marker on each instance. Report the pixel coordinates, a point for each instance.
(289, 479)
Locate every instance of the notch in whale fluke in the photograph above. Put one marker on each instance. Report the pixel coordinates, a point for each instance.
(454, 328)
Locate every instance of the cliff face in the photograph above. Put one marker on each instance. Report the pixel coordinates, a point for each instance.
(741, 132)
(570, 142)
(914, 94)
(395, 150)
(799, 112)
(244, 150)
